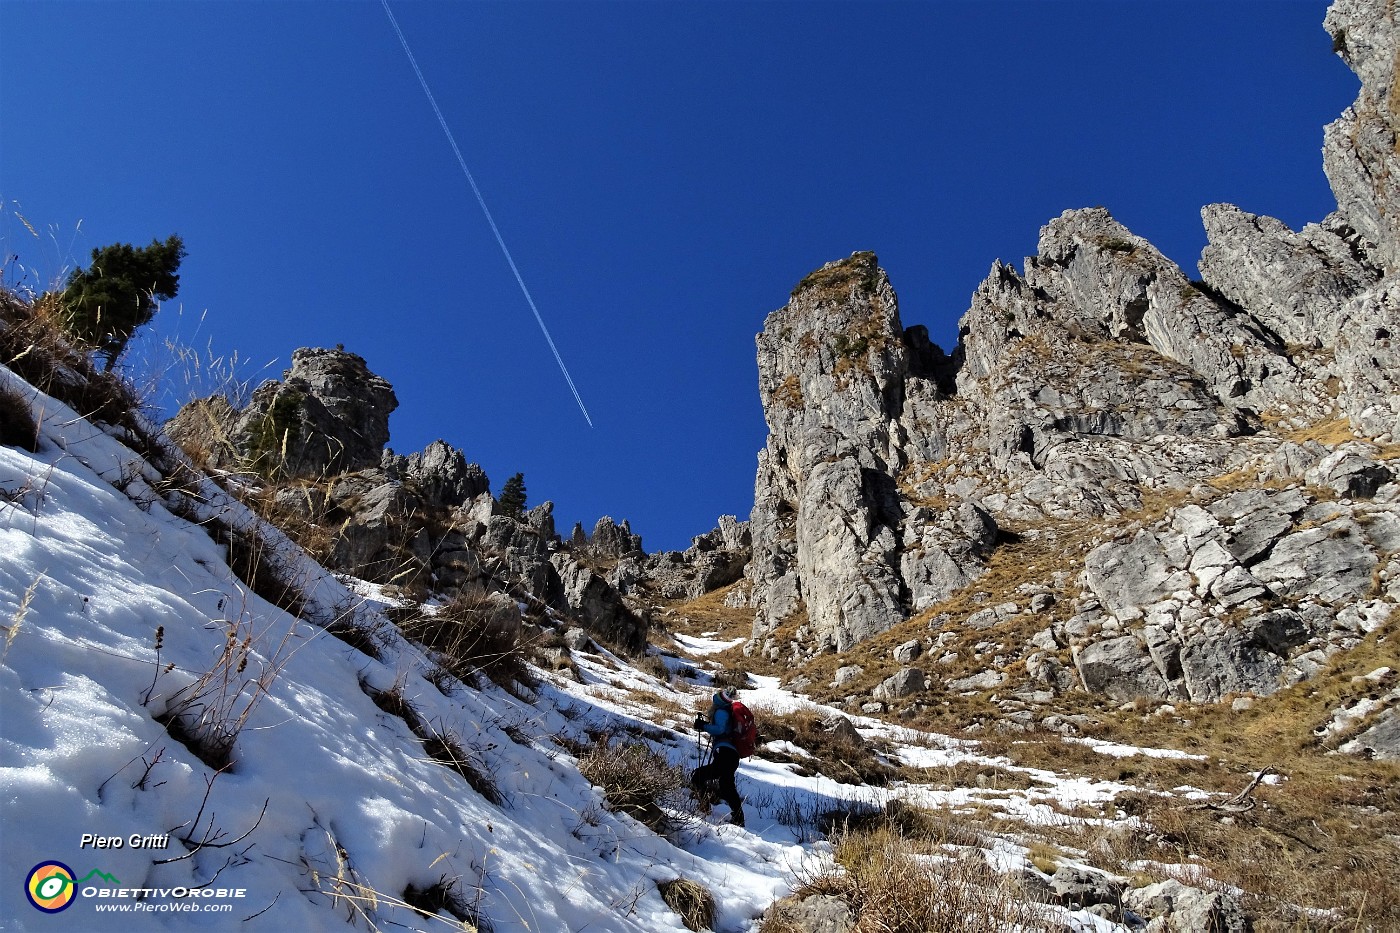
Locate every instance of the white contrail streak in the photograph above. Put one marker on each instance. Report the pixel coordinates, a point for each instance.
(442, 121)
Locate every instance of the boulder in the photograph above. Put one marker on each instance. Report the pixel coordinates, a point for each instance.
(1331, 561)
(1189, 910)
(1350, 471)
(816, 913)
(908, 652)
(1077, 887)
(843, 731)
(906, 683)
(1122, 669)
(847, 674)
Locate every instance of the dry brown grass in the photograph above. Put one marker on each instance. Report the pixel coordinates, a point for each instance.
(832, 755)
(709, 614)
(692, 900)
(900, 882)
(1329, 432)
(34, 347)
(17, 425)
(208, 713)
(1022, 559)
(1323, 838)
(1305, 845)
(912, 477)
(635, 780)
(789, 393)
(474, 634)
(307, 526)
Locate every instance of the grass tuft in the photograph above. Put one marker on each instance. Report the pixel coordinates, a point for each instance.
(476, 633)
(635, 780)
(17, 425)
(905, 873)
(693, 901)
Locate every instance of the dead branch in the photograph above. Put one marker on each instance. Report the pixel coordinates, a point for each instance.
(1241, 802)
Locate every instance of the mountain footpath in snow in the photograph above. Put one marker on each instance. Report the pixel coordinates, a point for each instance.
(256, 745)
(204, 728)
(1088, 624)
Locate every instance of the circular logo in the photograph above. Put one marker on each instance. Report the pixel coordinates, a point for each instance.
(50, 887)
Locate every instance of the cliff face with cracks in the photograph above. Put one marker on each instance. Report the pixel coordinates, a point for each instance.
(1209, 460)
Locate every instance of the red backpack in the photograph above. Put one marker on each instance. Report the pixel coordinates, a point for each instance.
(743, 731)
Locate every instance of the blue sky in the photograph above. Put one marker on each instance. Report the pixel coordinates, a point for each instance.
(662, 172)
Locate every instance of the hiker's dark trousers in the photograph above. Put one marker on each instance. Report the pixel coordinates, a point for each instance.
(720, 771)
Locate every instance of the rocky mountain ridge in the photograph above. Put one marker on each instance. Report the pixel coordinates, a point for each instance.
(1122, 480)
(1210, 462)
(427, 522)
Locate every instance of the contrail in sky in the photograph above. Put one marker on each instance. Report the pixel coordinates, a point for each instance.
(485, 210)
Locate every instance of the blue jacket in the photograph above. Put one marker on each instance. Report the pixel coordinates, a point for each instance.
(719, 729)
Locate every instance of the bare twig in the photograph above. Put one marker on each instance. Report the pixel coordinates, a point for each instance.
(211, 834)
(1241, 802)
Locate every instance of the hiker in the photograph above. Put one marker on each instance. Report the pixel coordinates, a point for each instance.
(731, 737)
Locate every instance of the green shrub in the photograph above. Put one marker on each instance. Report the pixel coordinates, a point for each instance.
(512, 498)
(267, 453)
(104, 304)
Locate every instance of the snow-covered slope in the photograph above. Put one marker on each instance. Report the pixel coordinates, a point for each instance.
(121, 615)
(90, 576)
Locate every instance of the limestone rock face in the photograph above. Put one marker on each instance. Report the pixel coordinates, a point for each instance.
(1359, 156)
(714, 560)
(591, 597)
(1359, 152)
(827, 524)
(1368, 360)
(890, 466)
(611, 540)
(1292, 283)
(328, 415)
(427, 519)
(1189, 484)
(440, 473)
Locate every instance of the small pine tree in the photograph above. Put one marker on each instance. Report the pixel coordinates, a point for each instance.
(104, 304)
(512, 498)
